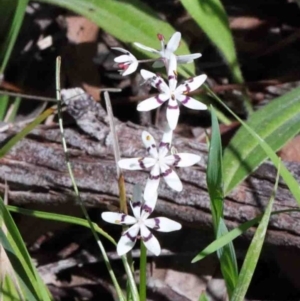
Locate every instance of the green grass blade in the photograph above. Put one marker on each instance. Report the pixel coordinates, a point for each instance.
(233, 234)
(226, 255)
(203, 297)
(289, 179)
(11, 16)
(254, 251)
(16, 104)
(214, 175)
(275, 124)
(20, 260)
(129, 21)
(24, 280)
(60, 218)
(9, 292)
(13, 141)
(211, 16)
(4, 99)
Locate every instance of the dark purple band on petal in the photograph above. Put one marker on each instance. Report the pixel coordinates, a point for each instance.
(154, 177)
(132, 238)
(136, 204)
(157, 222)
(141, 163)
(188, 89)
(158, 84)
(166, 173)
(149, 148)
(171, 77)
(185, 100)
(147, 238)
(147, 209)
(164, 144)
(173, 107)
(123, 216)
(159, 100)
(177, 160)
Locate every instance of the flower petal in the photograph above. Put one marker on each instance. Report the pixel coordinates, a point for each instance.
(165, 144)
(122, 50)
(172, 113)
(174, 42)
(172, 72)
(141, 46)
(170, 177)
(187, 58)
(152, 102)
(191, 84)
(152, 183)
(150, 144)
(124, 58)
(118, 218)
(150, 241)
(156, 81)
(147, 74)
(191, 103)
(127, 240)
(162, 224)
(136, 163)
(137, 201)
(148, 206)
(131, 68)
(182, 159)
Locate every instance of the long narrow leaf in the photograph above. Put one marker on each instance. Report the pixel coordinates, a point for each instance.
(254, 251)
(11, 16)
(276, 123)
(226, 255)
(233, 234)
(24, 280)
(20, 259)
(290, 180)
(13, 141)
(60, 218)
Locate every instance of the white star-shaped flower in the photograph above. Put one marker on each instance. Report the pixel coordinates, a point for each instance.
(167, 50)
(140, 223)
(127, 62)
(160, 163)
(173, 94)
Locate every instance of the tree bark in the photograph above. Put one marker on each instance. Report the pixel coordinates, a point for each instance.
(36, 172)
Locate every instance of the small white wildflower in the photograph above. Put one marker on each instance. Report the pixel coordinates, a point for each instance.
(140, 223)
(160, 163)
(127, 62)
(167, 50)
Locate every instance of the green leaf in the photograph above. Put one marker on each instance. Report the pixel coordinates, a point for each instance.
(233, 234)
(254, 251)
(60, 218)
(4, 99)
(11, 16)
(20, 260)
(214, 175)
(211, 16)
(129, 21)
(266, 131)
(24, 279)
(15, 139)
(203, 297)
(226, 255)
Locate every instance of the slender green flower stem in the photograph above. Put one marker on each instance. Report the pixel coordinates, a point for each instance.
(127, 259)
(143, 272)
(75, 188)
